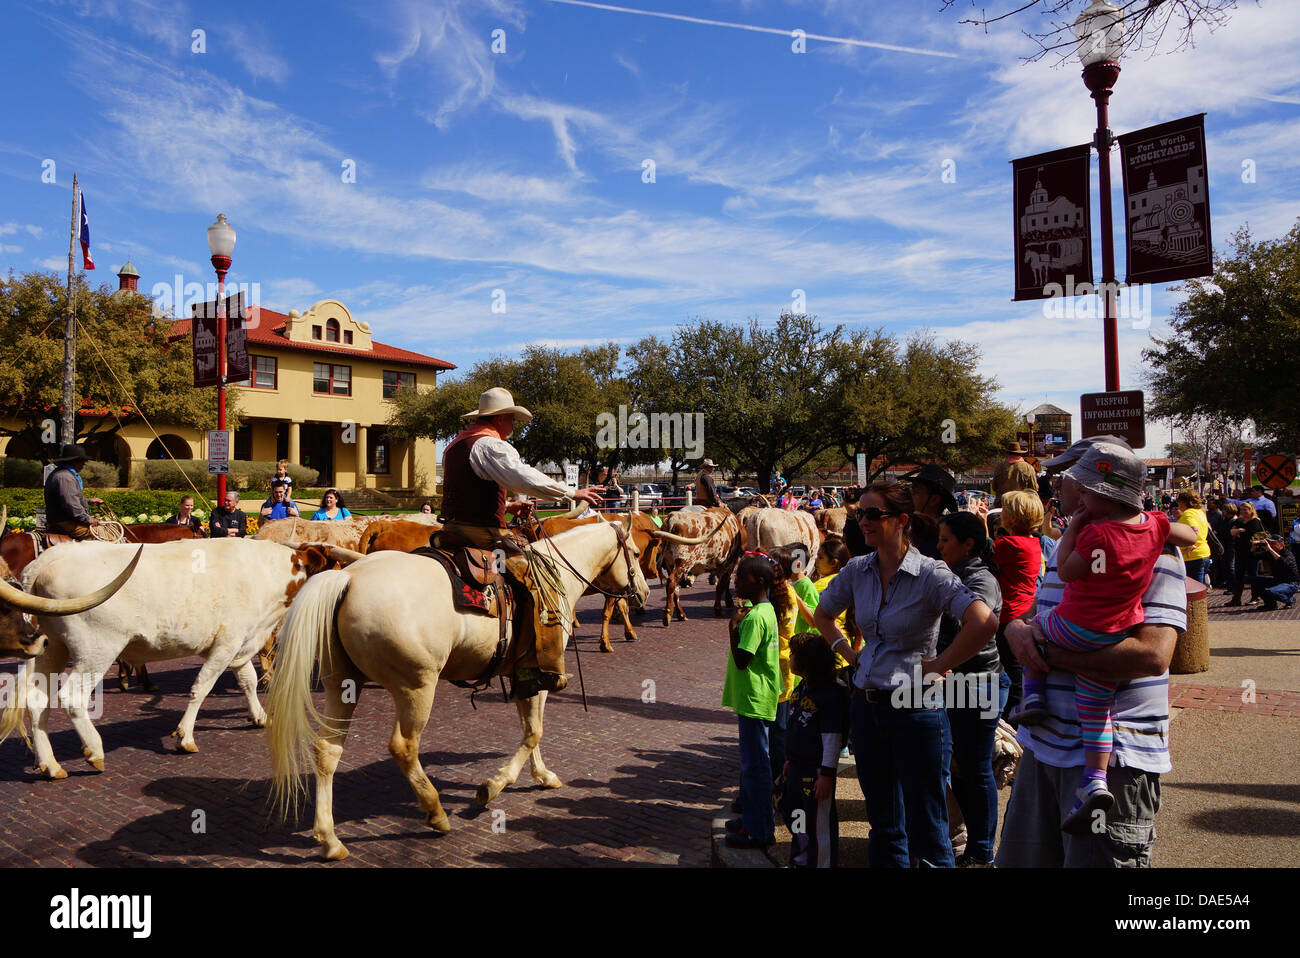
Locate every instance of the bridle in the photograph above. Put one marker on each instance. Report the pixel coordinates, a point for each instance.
(628, 592)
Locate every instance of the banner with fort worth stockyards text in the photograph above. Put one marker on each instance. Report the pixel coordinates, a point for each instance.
(1053, 223)
(1166, 203)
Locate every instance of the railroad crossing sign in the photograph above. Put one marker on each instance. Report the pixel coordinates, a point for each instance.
(1276, 471)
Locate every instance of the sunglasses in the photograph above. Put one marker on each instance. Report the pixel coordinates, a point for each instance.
(872, 514)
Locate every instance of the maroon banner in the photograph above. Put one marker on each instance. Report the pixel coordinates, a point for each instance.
(237, 370)
(1053, 223)
(205, 350)
(1166, 203)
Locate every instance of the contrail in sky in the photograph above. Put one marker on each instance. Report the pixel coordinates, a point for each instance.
(754, 29)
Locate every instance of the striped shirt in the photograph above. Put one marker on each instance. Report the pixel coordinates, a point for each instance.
(1141, 711)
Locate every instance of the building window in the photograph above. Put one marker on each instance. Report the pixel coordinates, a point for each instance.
(331, 330)
(394, 382)
(332, 380)
(243, 443)
(315, 332)
(347, 337)
(263, 370)
(377, 454)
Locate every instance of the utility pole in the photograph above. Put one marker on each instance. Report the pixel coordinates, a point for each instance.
(68, 424)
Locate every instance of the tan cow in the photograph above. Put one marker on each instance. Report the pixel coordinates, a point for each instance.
(768, 529)
(291, 532)
(717, 554)
(831, 521)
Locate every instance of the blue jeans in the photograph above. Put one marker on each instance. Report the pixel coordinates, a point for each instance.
(756, 779)
(776, 738)
(1196, 569)
(975, 788)
(903, 757)
(1271, 593)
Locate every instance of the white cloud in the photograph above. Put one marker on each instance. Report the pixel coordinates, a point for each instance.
(448, 46)
(52, 262)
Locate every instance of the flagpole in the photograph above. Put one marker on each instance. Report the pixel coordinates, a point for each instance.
(68, 427)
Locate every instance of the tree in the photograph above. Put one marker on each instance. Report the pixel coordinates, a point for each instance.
(1235, 344)
(565, 392)
(924, 401)
(128, 364)
(654, 389)
(1145, 23)
(763, 391)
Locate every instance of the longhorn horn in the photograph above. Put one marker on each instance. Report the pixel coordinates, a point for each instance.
(682, 540)
(40, 605)
(579, 507)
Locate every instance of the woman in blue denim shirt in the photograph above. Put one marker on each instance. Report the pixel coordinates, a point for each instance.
(899, 728)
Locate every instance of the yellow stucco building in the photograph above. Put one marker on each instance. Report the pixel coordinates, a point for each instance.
(320, 393)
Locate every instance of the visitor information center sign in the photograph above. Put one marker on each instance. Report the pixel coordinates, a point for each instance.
(1120, 414)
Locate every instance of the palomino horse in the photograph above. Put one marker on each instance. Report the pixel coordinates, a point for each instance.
(388, 617)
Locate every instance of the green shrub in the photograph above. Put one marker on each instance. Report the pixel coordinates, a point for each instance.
(244, 474)
(101, 475)
(24, 503)
(21, 473)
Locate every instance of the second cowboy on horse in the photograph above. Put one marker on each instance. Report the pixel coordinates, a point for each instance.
(66, 505)
(479, 469)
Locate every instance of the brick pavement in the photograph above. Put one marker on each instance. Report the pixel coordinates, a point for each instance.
(641, 779)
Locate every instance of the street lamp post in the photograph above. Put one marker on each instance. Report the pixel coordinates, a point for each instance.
(221, 243)
(1100, 31)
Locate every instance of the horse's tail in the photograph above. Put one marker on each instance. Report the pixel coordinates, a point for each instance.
(15, 703)
(307, 636)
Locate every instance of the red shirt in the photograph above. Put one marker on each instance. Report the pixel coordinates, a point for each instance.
(1110, 600)
(1020, 560)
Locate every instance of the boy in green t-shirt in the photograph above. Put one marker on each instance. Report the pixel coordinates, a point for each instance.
(751, 689)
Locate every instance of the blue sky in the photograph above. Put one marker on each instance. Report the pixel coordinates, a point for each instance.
(523, 170)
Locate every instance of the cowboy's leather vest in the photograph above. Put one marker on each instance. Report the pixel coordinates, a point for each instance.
(465, 497)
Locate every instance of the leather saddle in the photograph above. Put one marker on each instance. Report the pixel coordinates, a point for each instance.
(478, 585)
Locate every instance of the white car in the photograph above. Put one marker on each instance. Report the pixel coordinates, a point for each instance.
(646, 492)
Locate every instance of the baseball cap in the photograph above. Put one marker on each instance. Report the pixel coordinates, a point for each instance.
(1076, 451)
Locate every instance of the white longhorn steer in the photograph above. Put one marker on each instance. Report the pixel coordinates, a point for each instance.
(220, 599)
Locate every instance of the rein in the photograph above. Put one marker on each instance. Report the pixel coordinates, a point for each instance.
(627, 554)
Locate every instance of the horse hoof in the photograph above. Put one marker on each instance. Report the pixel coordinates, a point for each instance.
(96, 763)
(550, 781)
(335, 852)
(440, 825)
(150, 687)
(259, 720)
(606, 647)
(183, 745)
(57, 775)
(484, 795)
(666, 620)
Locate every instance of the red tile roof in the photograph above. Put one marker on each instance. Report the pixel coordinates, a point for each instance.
(270, 331)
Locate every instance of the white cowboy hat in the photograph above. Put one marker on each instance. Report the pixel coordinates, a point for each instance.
(497, 402)
(710, 463)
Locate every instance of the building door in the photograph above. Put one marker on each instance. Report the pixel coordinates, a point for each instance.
(317, 446)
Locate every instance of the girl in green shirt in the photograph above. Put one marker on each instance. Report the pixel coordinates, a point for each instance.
(751, 689)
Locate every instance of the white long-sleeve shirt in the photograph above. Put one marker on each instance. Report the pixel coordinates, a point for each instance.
(497, 461)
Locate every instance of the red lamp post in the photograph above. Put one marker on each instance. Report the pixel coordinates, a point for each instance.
(221, 243)
(1100, 32)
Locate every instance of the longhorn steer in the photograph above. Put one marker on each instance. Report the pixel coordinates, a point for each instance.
(396, 535)
(219, 599)
(718, 554)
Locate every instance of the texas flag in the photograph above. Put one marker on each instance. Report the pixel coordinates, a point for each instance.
(87, 262)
